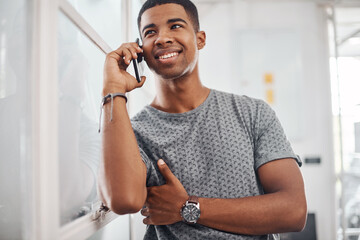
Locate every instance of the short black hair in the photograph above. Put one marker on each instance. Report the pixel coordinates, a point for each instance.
(189, 7)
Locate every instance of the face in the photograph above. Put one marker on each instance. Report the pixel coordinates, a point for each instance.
(170, 43)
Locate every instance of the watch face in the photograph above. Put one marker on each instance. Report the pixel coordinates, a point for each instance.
(191, 213)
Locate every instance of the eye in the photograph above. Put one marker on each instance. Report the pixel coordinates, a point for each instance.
(149, 32)
(176, 26)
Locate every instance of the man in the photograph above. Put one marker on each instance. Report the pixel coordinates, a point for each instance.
(226, 170)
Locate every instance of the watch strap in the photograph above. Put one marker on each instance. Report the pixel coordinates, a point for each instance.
(193, 199)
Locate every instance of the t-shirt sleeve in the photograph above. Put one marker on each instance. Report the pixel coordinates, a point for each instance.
(270, 140)
(145, 158)
(150, 168)
(140, 130)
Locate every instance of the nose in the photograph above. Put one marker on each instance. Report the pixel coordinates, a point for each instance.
(164, 38)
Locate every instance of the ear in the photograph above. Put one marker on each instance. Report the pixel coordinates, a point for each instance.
(201, 39)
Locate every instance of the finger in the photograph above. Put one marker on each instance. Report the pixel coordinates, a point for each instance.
(145, 212)
(147, 221)
(121, 52)
(135, 46)
(141, 83)
(127, 56)
(128, 75)
(165, 171)
(113, 55)
(138, 47)
(135, 50)
(150, 196)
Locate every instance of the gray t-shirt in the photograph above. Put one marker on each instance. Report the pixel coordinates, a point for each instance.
(214, 150)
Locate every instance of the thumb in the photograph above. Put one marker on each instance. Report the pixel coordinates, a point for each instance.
(141, 83)
(165, 171)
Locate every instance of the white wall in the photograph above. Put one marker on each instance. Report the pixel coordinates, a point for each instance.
(221, 20)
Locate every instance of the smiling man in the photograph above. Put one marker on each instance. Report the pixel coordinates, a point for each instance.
(197, 162)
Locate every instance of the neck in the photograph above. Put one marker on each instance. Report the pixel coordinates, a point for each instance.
(180, 95)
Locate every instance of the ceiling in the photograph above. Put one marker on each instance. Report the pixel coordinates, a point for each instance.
(347, 17)
(348, 30)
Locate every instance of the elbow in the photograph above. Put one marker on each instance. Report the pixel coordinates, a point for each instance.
(124, 198)
(122, 209)
(298, 221)
(125, 202)
(126, 205)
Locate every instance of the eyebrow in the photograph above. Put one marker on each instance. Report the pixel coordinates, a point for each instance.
(172, 20)
(151, 25)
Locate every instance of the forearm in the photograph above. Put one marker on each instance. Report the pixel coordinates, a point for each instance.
(269, 213)
(122, 173)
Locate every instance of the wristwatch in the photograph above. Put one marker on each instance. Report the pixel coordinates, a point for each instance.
(190, 212)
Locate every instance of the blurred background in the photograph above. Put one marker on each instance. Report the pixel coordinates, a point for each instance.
(301, 56)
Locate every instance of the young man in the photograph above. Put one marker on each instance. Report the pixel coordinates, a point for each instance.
(226, 169)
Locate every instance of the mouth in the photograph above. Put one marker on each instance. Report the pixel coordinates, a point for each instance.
(163, 55)
(168, 55)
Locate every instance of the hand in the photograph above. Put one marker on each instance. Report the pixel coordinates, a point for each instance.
(163, 203)
(116, 79)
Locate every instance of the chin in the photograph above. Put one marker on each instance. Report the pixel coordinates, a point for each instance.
(172, 76)
(169, 74)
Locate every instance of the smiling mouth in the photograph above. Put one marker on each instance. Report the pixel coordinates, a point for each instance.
(168, 55)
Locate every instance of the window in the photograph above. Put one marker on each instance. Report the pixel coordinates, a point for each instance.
(79, 89)
(345, 75)
(16, 120)
(51, 63)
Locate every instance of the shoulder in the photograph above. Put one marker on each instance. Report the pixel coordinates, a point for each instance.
(142, 120)
(140, 116)
(242, 103)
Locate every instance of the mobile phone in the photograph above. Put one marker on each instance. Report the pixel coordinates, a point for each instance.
(138, 68)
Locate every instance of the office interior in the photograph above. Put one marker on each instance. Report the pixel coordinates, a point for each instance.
(301, 56)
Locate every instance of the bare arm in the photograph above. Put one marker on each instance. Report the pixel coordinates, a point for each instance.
(122, 176)
(281, 209)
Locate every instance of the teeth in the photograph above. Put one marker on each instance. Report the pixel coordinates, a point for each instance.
(169, 55)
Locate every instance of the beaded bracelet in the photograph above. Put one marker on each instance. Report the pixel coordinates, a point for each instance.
(110, 96)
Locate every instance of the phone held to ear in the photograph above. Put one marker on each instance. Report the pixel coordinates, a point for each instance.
(138, 65)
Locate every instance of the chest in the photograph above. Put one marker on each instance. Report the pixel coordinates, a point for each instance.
(212, 157)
